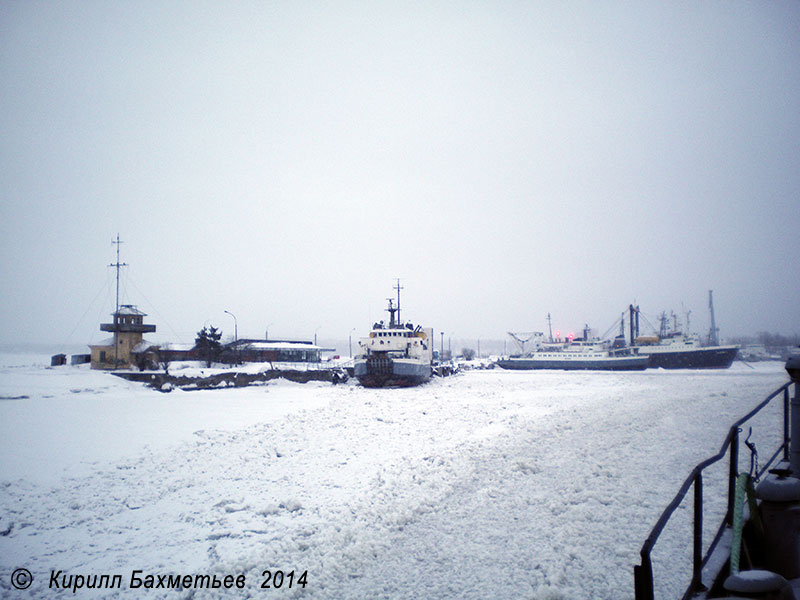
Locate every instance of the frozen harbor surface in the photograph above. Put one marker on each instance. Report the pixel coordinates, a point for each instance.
(489, 484)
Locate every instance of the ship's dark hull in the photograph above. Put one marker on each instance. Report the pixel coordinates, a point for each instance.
(387, 372)
(626, 363)
(714, 357)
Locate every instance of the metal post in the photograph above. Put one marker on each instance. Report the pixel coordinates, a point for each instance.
(235, 335)
(643, 579)
(733, 473)
(793, 368)
(235, 327)
(794, 446)
(786, 424)
(697, 562)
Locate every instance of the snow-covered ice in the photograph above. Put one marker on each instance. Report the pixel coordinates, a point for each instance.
(488, 484)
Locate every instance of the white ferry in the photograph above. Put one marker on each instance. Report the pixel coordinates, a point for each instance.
(579, 354)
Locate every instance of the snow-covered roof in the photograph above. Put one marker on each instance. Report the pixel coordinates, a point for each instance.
(142, 346)
(130, 310)
(176, 347)
(106, 342)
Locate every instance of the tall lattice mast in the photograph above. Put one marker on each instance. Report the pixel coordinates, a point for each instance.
(117, 265)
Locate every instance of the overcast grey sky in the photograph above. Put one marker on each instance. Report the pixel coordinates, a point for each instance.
(285, 161)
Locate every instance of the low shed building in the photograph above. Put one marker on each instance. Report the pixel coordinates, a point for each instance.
(274, 351)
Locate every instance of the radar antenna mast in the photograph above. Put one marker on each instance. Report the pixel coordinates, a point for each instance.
(391, 310)
(398, 288)
(117, 265)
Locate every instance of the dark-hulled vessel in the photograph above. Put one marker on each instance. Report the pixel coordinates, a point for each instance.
(678, 350)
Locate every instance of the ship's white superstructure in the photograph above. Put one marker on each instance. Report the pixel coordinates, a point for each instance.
(395, 354)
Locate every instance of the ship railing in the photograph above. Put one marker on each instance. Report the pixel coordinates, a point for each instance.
(308, 366)
(643, 573)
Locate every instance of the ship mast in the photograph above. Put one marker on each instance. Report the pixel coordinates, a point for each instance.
(398, 288)
(686, 314)
(713, 334)
(663, 330)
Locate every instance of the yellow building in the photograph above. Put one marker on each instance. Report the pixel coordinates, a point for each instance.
(128, 328)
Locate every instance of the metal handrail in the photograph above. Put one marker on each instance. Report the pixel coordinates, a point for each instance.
(643, 573)
(305, 366)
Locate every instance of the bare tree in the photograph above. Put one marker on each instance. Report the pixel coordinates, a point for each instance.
(164, 358)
